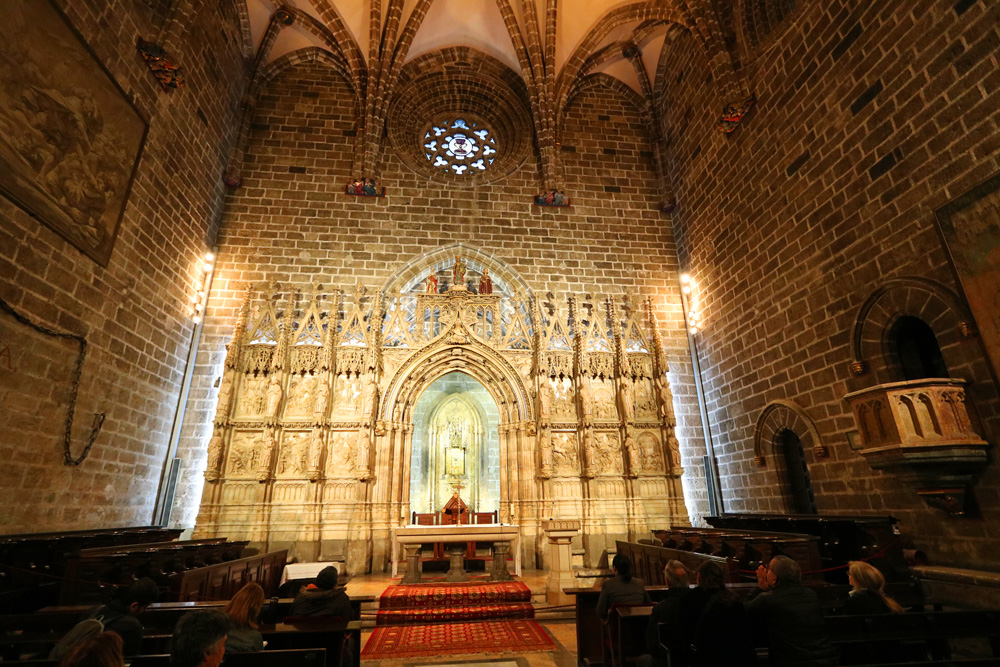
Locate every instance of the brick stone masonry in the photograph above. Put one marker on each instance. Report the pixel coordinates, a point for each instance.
(134, 312)
(869, 117)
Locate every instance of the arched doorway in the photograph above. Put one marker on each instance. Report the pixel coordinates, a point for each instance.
(798, 487)
(456, 445)
(917, 350)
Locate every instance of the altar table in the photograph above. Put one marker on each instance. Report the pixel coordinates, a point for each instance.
(479, 532)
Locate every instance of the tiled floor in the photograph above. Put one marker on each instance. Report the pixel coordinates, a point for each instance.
(562, 632)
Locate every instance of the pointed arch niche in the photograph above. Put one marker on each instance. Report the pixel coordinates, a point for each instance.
(456, 439)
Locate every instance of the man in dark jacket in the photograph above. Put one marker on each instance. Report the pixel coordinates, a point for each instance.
(790, 616)
(323, 598)
(678, 585)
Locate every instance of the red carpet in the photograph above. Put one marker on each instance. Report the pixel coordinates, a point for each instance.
(435, 595)
(454, 613)
(407, 641)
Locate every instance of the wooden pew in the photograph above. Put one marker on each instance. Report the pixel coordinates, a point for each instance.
(648, 561)
(305, 657)
(842, 538)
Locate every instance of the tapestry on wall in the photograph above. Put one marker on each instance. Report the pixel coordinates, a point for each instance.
(70, 139)
(970, 227)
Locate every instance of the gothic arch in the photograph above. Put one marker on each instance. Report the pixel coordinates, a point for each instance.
(926, 299)
(779, 416)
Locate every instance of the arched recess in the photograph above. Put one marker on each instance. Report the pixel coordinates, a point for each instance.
(410, 276)
(782, 415)
(928, 300)
(782, 427)
(452, 352)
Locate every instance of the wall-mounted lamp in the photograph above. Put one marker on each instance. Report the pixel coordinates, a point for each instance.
(200, 296)
(687, 286)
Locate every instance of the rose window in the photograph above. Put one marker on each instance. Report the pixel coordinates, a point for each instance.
(459, 146)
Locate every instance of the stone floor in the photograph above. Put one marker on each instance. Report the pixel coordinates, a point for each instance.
(563, 632)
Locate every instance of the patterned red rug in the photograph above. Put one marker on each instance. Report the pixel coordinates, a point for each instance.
(454, 613)
(437, 595)
(408, 641)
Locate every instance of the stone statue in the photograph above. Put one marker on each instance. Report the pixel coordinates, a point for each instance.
(633, 455)
(625, 399)
(585, 407)
(371, 399)
(364, 449)
(666, 402)
(588, 449)
(273, 396)
(486, 283)
(545, 448)
(458, 274)
(431, 285)
(544, 405)
(321, 399)
(267, 448)
(315, 454)
(214, 456)
(225, 393)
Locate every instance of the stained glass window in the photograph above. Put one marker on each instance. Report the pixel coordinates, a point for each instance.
(459, 146)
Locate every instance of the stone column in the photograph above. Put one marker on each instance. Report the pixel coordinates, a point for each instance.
(412, 564)
(560, 534)
(500, 571)
(456, 569)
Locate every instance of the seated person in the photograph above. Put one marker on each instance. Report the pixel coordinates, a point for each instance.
(868, 597)
(790, 617)
(243, 611)
(199, 639)
(666, 611)
(120, 615)
(623, 588)
(101, 650)
(323, 598)
(710, 613)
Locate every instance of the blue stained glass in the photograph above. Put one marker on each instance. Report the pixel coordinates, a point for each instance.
(457, 151)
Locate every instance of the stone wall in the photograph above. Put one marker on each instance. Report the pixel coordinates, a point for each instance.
(134, 313)
(292, 222)
(870, 116)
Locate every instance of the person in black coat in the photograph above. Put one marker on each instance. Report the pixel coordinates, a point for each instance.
(790, 617)
(121, 614)
(868, 598)
(623, 588)
(666, 612)
(323, 598)
(715, 623)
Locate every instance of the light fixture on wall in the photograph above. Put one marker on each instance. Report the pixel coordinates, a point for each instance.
(200, 296)
(687, 286)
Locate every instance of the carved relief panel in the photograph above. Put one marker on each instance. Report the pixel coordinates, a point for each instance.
(644, 400)
(245, 453)
(301, 393)
(565, 457)
(650, 453)
(340, 459)
(293, 459)
(607, 454)
(604, 400)
(253, 396)
(563, 400)
(348, 395)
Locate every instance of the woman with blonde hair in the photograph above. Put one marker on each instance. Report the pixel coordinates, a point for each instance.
(243, 610)
(868, 591)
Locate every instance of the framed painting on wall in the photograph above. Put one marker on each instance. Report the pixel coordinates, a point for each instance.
(70, 139)
(970, 229)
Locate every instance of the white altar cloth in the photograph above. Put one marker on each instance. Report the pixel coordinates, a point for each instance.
(479, 532)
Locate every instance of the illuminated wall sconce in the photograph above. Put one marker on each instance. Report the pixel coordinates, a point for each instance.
(202, 284)
(687, 285)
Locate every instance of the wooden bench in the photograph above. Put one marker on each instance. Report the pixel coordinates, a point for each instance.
(303, 657)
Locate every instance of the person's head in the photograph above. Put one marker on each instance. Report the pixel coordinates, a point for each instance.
(785, 570)
(199, 639)
(864, 576)
(622, 567)
(245, 606)
(103, 650)
(677, 574)
(135, 597)
(327, 578)
(711, 575)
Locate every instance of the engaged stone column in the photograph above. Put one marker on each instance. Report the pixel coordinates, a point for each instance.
(500, 571)
(412, 564)
(560, 534)
(456, 569)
